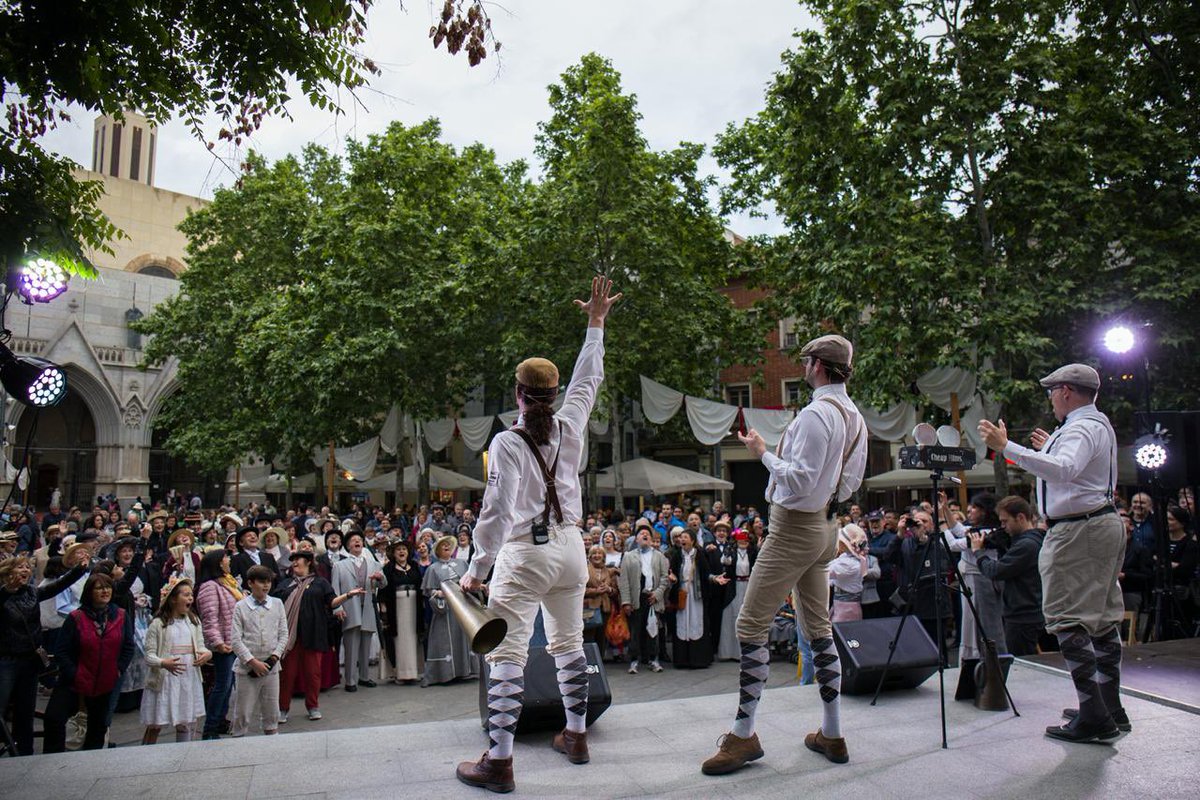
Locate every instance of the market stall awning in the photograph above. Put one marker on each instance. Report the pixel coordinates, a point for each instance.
(645, 476)
(439, 478)
(979, 477)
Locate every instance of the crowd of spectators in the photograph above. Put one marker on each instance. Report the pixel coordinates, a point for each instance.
(208, 621)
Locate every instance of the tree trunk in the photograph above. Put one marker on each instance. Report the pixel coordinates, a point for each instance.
(1000, 467)
(592, 503)
(423, 477)
(618, 456)
(287, 496)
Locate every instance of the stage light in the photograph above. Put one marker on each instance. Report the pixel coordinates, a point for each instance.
(39, 280)
(32, 381)
(1119, 339)
(1151, 455)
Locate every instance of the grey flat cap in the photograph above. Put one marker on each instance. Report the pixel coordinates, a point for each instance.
(831, 347)
(1076, 374)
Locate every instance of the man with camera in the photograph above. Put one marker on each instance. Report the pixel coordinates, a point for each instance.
(1076, 468)
(1017, 565)
(920, 577)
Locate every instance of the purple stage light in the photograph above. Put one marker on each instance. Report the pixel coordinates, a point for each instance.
(40, 280)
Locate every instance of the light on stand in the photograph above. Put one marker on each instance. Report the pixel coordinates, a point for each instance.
(1119, 339)
(1151, 456)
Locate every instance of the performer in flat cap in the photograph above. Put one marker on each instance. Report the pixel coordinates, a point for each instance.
(527, 529)
(1076, 468)
(819, 462)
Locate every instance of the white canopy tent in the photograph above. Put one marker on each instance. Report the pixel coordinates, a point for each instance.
(642, 475)
(439, 478)
(980, 476)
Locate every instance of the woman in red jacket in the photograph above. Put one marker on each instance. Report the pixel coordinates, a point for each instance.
(94, 647)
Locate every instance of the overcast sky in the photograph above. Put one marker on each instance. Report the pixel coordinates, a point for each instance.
(695, 65)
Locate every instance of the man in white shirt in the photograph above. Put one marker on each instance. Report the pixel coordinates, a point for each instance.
(527, 530)
(1076, 468)
(819, 462)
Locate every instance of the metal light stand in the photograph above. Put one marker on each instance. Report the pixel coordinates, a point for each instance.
(1167, 611)
(939, 586)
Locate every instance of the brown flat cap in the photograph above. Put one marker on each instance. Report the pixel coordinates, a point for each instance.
(831, 347)
(537, 373)
(1075, 374)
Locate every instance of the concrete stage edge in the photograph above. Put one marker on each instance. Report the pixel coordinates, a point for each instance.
(654, 749)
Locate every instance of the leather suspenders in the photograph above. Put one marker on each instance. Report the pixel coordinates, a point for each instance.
(548, 474)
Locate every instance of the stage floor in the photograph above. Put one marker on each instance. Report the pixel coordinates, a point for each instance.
(654, 749)
(1166, 672)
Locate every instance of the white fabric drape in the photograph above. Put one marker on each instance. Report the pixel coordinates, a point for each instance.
(891, 425)
(475, 431)
(389, 437)
(770, 424)
(981, 408)
(941, 382)
(597, 427)
(659, 402)
(710, 421)
(438, 433)
(358, 460)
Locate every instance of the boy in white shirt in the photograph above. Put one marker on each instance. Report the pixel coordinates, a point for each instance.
(259, 637)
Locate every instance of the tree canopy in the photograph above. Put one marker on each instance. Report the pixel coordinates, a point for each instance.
(981, 183)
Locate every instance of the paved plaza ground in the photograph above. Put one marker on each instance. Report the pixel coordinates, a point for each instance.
(650, 744)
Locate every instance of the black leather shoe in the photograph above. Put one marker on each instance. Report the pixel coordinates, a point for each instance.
(350, 688)
(1085, 732)
(1119, 716)
(369, 684)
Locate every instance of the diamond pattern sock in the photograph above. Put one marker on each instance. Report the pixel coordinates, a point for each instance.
(573, 684)
(506, 688)
(755, 667)
(1076, 647)
(1108, 668)
(829, 678)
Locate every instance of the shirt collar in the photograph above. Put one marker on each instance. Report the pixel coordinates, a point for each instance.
(829, 388)
(1090, 408)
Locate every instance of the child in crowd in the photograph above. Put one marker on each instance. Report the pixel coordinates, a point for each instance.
(175, 651)
(260, 636)
(847, 571)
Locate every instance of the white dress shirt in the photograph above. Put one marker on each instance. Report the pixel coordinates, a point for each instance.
(809, 465)
(515, 496)
(1077, 465)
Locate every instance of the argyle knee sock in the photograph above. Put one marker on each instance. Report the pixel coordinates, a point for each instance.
(829, 678)
(1108, 668)
(505, 688)
(1076, 647)
(573, 684)
(755, 667)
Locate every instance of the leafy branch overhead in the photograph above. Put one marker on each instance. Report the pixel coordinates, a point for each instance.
(164, 58)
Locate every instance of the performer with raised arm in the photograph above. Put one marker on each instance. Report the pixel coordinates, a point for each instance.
(527, 530)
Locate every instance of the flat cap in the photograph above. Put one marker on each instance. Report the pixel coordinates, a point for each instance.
(537, 373)
(831, 347)
(1075, 374)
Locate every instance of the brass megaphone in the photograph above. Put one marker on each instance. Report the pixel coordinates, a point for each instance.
(484, 628)
(989, 680)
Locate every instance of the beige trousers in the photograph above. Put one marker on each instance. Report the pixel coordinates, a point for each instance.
(795, 557)
(258, 698)
(1079, 563)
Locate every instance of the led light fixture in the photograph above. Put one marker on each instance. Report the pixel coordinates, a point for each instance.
(39, 280)
(33, 381)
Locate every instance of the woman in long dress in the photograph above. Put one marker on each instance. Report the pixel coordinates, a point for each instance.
(448, 652)
(693, 646)
(743, 562)
(400, 601)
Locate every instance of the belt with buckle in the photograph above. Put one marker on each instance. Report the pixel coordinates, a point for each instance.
(1052, 521)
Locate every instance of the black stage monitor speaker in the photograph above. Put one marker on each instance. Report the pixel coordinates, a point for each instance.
(1183, 446)
(863, 649)
(543, 708)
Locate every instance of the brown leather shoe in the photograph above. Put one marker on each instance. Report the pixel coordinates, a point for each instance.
(573, 745)
(833, 749)
(733, 753)
(493, 774)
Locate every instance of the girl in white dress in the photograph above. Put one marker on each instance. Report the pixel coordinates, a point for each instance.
(175, 650)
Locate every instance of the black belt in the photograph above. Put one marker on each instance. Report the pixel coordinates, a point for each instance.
(1080, 517)
(741, 579)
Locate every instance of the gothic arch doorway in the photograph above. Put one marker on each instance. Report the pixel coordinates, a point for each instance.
(62, 453)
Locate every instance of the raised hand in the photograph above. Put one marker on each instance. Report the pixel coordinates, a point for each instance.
(599, 304)
(1038, 438)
